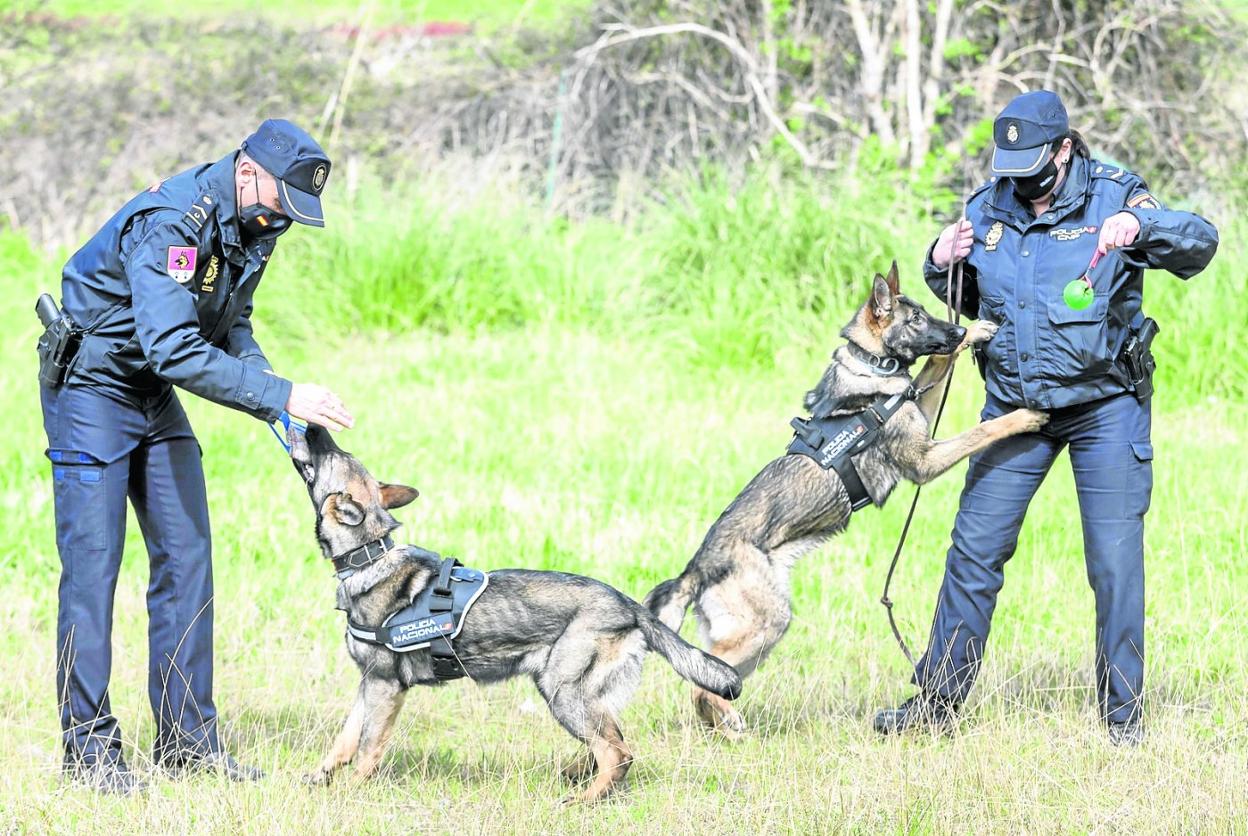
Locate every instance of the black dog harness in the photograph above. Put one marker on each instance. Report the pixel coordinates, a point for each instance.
(432, 620)
(833, 441)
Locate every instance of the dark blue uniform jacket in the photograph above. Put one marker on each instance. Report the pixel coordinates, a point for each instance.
(1046, 354)
(152, 324)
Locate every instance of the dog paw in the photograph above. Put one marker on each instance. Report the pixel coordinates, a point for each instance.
(1027, 420)
(319, 778)
(979, 331)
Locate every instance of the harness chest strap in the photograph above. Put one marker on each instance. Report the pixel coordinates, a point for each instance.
(833, 442)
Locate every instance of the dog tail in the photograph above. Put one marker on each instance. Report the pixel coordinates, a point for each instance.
(669, 600)
(702, 669)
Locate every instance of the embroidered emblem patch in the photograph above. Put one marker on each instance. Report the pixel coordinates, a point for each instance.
(994, 236)
(181, 264)
(318, 178)
(1072, 233)
(1143, 200)
(210, 276)
(1011, 133)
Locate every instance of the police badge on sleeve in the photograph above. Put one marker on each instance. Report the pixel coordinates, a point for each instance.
(181, 264)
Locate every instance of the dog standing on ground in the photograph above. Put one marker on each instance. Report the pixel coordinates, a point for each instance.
(581, 641)
(738, 581)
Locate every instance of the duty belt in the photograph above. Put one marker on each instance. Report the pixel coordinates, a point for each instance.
(833, 441)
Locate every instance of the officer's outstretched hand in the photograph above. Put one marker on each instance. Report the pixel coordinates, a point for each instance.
(317, 405)
(954, 243)
(1118, 231)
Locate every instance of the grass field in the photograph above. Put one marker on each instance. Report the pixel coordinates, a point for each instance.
(590, 401)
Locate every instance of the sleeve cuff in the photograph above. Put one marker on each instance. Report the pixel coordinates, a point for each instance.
(262, 394)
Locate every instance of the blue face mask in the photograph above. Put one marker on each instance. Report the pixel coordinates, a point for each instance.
(259, 222)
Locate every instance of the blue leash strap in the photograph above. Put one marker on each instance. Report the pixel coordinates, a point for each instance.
(287, 422)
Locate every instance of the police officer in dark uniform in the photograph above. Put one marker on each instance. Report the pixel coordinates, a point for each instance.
(161, 297)
(1076, 348)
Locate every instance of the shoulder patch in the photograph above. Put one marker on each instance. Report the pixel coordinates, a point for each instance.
(1143, 200)
(180, 263)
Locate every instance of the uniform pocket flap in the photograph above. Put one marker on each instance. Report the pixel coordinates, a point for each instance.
(62, 455)
(992, 308)
(1060, 312)
(1143, 450)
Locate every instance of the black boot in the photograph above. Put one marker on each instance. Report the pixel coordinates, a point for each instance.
(191, 763)
(934, 711)
(111, 777)
(1126, 733)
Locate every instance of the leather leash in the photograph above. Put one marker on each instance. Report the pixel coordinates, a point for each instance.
(953, 310)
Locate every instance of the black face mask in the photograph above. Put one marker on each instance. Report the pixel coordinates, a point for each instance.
(259, 222)
(1037, 185)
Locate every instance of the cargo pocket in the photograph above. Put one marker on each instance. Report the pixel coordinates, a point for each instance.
(78, 491)
(1143, 481)
(1079, 348)
(1000, 349)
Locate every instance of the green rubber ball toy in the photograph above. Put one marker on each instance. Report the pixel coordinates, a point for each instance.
(1079, 294)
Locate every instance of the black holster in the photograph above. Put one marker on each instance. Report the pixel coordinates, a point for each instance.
(58, 344)
(1137, 360)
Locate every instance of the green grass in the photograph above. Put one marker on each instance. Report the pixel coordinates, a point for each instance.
(589, 398)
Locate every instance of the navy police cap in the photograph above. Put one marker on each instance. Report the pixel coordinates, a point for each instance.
(1025, 132)
(286, 151)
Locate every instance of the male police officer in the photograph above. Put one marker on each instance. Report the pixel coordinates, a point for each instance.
(1077, 350)
(162, 297)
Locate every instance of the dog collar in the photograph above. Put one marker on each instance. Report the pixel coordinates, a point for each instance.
(879, 366)
(346, 565)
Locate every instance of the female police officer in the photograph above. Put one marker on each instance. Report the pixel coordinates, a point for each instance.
(164, 292)
(1029, 231)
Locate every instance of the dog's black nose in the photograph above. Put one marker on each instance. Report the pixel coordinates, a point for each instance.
(959, 332)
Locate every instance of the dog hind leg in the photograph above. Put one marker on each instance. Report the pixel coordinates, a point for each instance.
(744, 652)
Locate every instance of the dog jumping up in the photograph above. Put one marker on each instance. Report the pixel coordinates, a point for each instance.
(738, 581)
(581, 641)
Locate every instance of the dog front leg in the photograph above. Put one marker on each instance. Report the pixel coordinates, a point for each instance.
(935, 457)
(935, 371)
(382, 700)
(345, 745)
(935, 374)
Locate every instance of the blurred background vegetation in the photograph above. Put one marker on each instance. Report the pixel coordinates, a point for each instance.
(733, 166)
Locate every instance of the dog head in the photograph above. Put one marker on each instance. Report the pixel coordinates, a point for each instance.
(892, 325)
(352, 508)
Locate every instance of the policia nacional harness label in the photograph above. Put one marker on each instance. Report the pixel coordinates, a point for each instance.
(432, 620)
(833, 441)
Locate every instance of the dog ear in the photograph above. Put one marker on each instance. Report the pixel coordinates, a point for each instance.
(396, 496)
(892, 279)
(881, 305)
(346, 510)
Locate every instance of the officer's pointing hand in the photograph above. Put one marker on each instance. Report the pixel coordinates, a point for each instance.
(1118, 231)
(954, 243)
(317, 405)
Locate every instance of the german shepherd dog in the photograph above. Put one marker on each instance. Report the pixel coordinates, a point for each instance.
(580, 640)
(738, 581)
